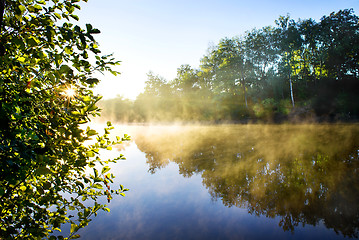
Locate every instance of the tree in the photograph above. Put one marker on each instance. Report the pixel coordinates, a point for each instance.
(340, 38)
(230, 70)
(46, 77)
(262, 52)
(289, 43)
(312, 56)
(263, 75)
(118, 109)
(187, 87)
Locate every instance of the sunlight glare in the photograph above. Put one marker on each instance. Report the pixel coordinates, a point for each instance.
(70, 92)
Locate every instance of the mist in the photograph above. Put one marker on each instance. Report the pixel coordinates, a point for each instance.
(303, 174)
(296, 71)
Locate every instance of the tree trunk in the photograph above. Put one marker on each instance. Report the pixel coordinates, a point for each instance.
(290, 79)
(245, 95)
(244, 90)
(291, 89)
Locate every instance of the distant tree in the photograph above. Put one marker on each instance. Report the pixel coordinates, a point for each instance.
(230, 73)
(289, 45)
(46, 77)
(156, 102)
(266, 73)
(261, 50)
(187, 79)
(339, 38)
(117, 109)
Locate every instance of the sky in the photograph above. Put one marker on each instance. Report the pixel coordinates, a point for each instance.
(161, 35)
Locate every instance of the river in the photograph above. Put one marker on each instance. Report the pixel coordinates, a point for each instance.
(234, 182)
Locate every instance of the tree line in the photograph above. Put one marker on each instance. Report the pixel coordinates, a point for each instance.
(302, 69)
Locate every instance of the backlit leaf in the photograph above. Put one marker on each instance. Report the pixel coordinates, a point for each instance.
(98, 186)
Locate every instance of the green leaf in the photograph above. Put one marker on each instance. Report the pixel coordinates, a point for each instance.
(58, 15)
(32, 41)
(88, 27)
(75, 113)
(78, 183)
(21, 59)
(43, 171)
(87, 99)
(75, 17)
(98, 186)
(92, 81)
(37, 7)
(91, 132)
(90, 154)
(73, 228)
(64, 68)
(58, 59)
(95, 31)
(69, 50)
(22, 9)
(93, 107)
(105, 170)
(46, 185)
(31, 9)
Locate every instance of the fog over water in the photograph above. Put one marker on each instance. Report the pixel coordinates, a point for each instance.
(235, 182)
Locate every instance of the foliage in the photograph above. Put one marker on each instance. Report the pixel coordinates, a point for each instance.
(46, 76)
(312, 65)
(119, 109)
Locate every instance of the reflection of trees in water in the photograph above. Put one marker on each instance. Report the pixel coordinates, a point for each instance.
(304, 174)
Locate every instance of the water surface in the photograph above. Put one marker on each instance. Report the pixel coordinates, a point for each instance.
(235, 182)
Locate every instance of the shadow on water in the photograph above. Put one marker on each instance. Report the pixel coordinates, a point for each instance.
(303, 174)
